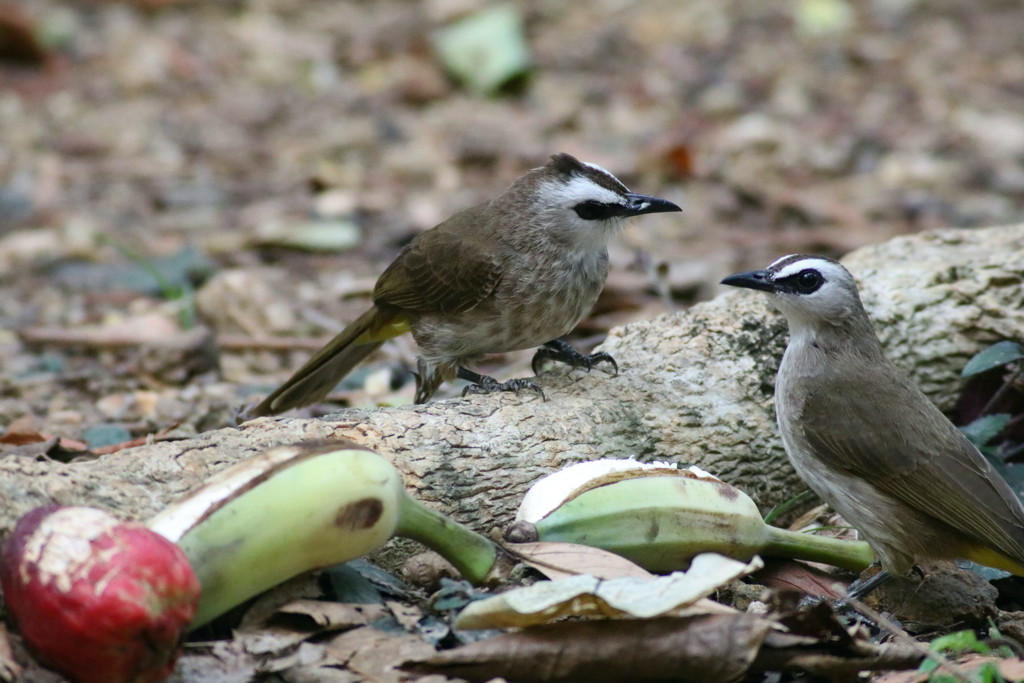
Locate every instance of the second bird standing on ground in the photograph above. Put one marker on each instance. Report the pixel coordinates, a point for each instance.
(867, 441)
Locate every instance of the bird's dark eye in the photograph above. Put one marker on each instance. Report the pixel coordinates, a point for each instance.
(595, 211)
(808, 280)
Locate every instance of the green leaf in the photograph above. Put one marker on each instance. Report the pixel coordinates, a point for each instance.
(989, 673)
(985, 428)
(485, 50)
(823, 17)
(958, 642)
(994, 356)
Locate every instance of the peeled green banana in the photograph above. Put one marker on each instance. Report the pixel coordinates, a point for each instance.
(293, 509)
(661, 517)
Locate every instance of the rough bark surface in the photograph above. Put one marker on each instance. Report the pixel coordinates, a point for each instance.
(694, 387)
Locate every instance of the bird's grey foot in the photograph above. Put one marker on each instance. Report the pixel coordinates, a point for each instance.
(563, 352)
(482, 384)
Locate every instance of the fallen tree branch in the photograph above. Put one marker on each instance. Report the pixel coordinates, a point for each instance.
(694, 387)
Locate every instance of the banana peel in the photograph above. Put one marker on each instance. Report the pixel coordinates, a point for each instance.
(660, 517)
(293, 509)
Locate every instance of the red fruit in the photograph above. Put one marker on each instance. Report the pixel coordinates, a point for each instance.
(98, 599)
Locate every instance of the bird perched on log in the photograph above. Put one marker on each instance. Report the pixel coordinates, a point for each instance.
(516, 272)
(866, 439)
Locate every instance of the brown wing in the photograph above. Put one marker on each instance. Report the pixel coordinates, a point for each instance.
(441, 271)
(904, 445)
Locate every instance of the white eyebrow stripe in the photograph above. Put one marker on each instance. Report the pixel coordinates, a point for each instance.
(599, 168)
(779, 260)
(826, 268)
(578, 190)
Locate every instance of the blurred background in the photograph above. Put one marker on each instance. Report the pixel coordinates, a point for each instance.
(195, 195)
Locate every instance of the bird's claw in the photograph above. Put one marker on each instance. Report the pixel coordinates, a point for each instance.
(563, 352)
(601, 357)
(487, 385)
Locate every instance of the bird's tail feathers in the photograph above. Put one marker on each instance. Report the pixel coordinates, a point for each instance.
(991, 558)
(329, 365)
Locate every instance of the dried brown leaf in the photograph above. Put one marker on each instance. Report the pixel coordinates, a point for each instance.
(271, 641)
(825, 661)
(151, 328)
(583, 595)
(14, 438)
(20, 43)
(345, 646)
(818, 620)
(319, 673)
(60, 449)
(334, 616)
(263, 609)
(704, 648)
(216, 662)
(234, 661)
(425, 570)
(558, 560)
(305, 655)
(375, 654)
(10, 670)
(405, 614)
(791, 575)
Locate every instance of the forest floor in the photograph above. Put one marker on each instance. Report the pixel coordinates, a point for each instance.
(194, 196)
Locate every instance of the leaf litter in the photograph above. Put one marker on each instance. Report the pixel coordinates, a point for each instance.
(183, 131)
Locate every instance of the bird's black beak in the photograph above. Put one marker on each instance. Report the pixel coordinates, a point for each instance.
(637, 204)
(752, 279)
